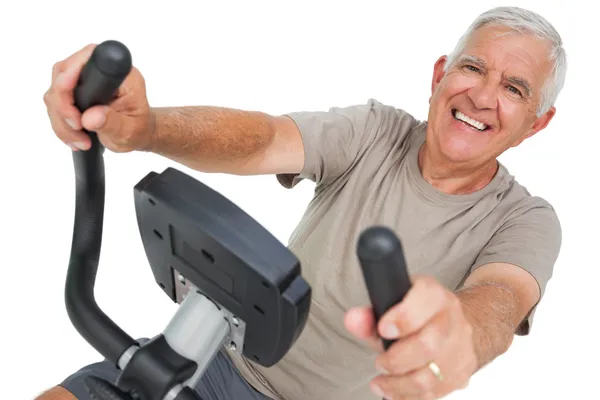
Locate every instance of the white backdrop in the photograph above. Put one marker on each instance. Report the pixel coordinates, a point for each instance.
(274, 57)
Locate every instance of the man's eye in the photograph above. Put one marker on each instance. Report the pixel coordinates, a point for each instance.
(515, 90)
(472, 68)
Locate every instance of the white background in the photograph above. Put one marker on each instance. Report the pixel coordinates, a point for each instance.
(274, 57)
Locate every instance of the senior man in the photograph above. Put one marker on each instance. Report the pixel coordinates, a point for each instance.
(479, 246)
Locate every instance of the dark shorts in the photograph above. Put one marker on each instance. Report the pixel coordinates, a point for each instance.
(221, 381)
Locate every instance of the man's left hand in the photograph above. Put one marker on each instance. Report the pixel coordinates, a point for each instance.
(430, 326)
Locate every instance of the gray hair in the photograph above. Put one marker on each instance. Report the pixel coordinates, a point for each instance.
(524, 21)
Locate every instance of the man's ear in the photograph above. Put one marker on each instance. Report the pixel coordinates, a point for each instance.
(438, 73)
(539, 124)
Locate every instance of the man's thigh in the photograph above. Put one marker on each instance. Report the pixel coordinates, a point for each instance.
(221, 381)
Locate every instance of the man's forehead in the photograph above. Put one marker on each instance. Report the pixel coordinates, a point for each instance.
(518, 56)
(498, 46)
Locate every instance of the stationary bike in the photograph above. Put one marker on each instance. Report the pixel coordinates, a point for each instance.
(236, 284)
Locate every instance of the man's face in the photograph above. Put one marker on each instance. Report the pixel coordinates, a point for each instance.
(496, 82)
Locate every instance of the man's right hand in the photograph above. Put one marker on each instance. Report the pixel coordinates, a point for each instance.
(126, 124)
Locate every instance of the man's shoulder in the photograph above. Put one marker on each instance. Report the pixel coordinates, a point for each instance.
(368, 121)
(377, 109)
(392, 125)
(523, 206)
(393, 110)
(384, 126)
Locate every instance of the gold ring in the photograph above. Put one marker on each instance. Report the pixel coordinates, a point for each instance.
(433, 367)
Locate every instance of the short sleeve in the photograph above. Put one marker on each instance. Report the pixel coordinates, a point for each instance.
(530, 239)
(334, 139)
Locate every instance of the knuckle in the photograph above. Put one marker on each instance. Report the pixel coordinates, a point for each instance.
(63, 134)
(435, 292)
(46, 97)
(425, 282)
(56, 68)
(429, 343)
(78, 56)
(393, 361)
(405, 320)
(440, 296)
(52, 103)
(423, 381)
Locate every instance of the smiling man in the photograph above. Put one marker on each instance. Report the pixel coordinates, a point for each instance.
(480, 247)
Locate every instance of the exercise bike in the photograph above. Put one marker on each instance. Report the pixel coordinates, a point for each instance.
(236, 284)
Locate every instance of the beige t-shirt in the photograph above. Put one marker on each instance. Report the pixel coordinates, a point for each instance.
(363, 160)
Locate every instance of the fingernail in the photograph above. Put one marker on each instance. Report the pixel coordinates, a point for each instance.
(79, 145)
(71, 123)
(72, 147)
(100, 121)
(377, 390)
(390, 331)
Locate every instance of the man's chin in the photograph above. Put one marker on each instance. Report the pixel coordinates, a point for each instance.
(458, 150)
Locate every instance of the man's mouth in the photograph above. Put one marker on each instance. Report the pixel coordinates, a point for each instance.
(459, 116)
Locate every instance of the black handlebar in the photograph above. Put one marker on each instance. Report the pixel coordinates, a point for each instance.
(384, 268)
(99, 80)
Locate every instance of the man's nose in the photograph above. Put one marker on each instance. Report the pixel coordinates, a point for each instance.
(485, 94)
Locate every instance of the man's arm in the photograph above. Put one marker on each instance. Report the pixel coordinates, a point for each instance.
(225, 140)
(459, 331)
(496, 298)
(211, 139)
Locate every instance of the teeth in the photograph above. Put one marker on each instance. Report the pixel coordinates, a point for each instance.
(474, 123)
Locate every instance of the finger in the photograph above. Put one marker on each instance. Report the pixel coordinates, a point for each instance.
(360, 322)
(418, 350)
(421, 384)
(64, 125)
(75, 139)
(62, 65)
(66, 73)
(61, 107)
(59, 98)
(64, 84)
(95, 118)
(108, 124)
(423, 301)
(109, 120)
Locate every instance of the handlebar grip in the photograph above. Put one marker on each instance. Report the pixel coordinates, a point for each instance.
(102, 75)
(384, 269)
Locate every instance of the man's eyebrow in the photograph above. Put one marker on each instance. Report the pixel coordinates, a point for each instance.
(515, 80)
(467, 58)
